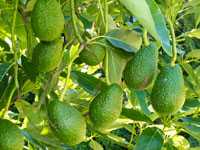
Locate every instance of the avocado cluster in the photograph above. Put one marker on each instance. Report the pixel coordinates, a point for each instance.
(10, 136)
(47, 22)
(168, 93)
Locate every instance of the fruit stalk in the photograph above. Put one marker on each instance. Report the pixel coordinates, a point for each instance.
(174, 50)
(14, 43)
(66, 82)
(101, 11)
(73, 14)
(145, 37)
(105, 3)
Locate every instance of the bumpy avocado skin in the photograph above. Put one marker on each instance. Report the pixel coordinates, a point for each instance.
(141, 69)
(66, 122)
(106, 107)
(47, 20)
(92, 54)
(10, 136)
(47, 55)
(168, 93)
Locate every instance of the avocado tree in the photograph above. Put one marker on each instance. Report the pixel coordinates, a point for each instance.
(99, 74)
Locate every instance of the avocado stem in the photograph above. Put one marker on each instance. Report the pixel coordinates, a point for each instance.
(145, 37)
(73, 15)
(14, 48)
(105, 3)
(174, 50)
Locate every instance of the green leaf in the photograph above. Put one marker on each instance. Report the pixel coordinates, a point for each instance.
(191, 103)
(29, 68)
(135, 115)
(73, 53)
(194, 54)
(149, 15)
(6, 17)
(29, 111)
(141, 97)
(88, 82)
(95, 145)
(127, 40)
(8, 94)
(114, 64)
(150, 139)
(4, 68)
(188, 68)
(195, 33)
(121, 44)
(191, 126)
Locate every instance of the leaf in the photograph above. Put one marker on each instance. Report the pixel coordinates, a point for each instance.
(192, 103)
(191, 126)
(127, 40)
(119, 140)
(135, 115)
(29, 68)
(121, 44)
(194, 54)
(4, 68)
(142, 99)
(95, 145)
(195, 33)
(114, 64)
(149, 15)
(29, 111)
(6, 17)
(73, 53)
(150, 139)
(8, 94)
(88, 82)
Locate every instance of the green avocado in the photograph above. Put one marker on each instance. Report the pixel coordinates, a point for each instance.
(47, 20)
(10, 136)
(92, 54)
(66, 122)
(47, 55)
(106, 107)
(141, 69)
(168, 93)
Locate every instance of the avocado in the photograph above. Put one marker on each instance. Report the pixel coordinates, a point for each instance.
(168, 93)
(141, 69)
(106, 107)
(47, 55)
(92, 54)
(10, 136)
(66, 122)
(47, 20)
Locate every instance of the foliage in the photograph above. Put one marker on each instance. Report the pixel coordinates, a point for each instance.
(78, 52)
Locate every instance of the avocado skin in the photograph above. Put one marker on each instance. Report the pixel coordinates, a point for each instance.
(66, 122)
(168, 94)
(92, 54)
(47, 55)
(141, 69)
(106, 107)
(10, 136)
(47, 20)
